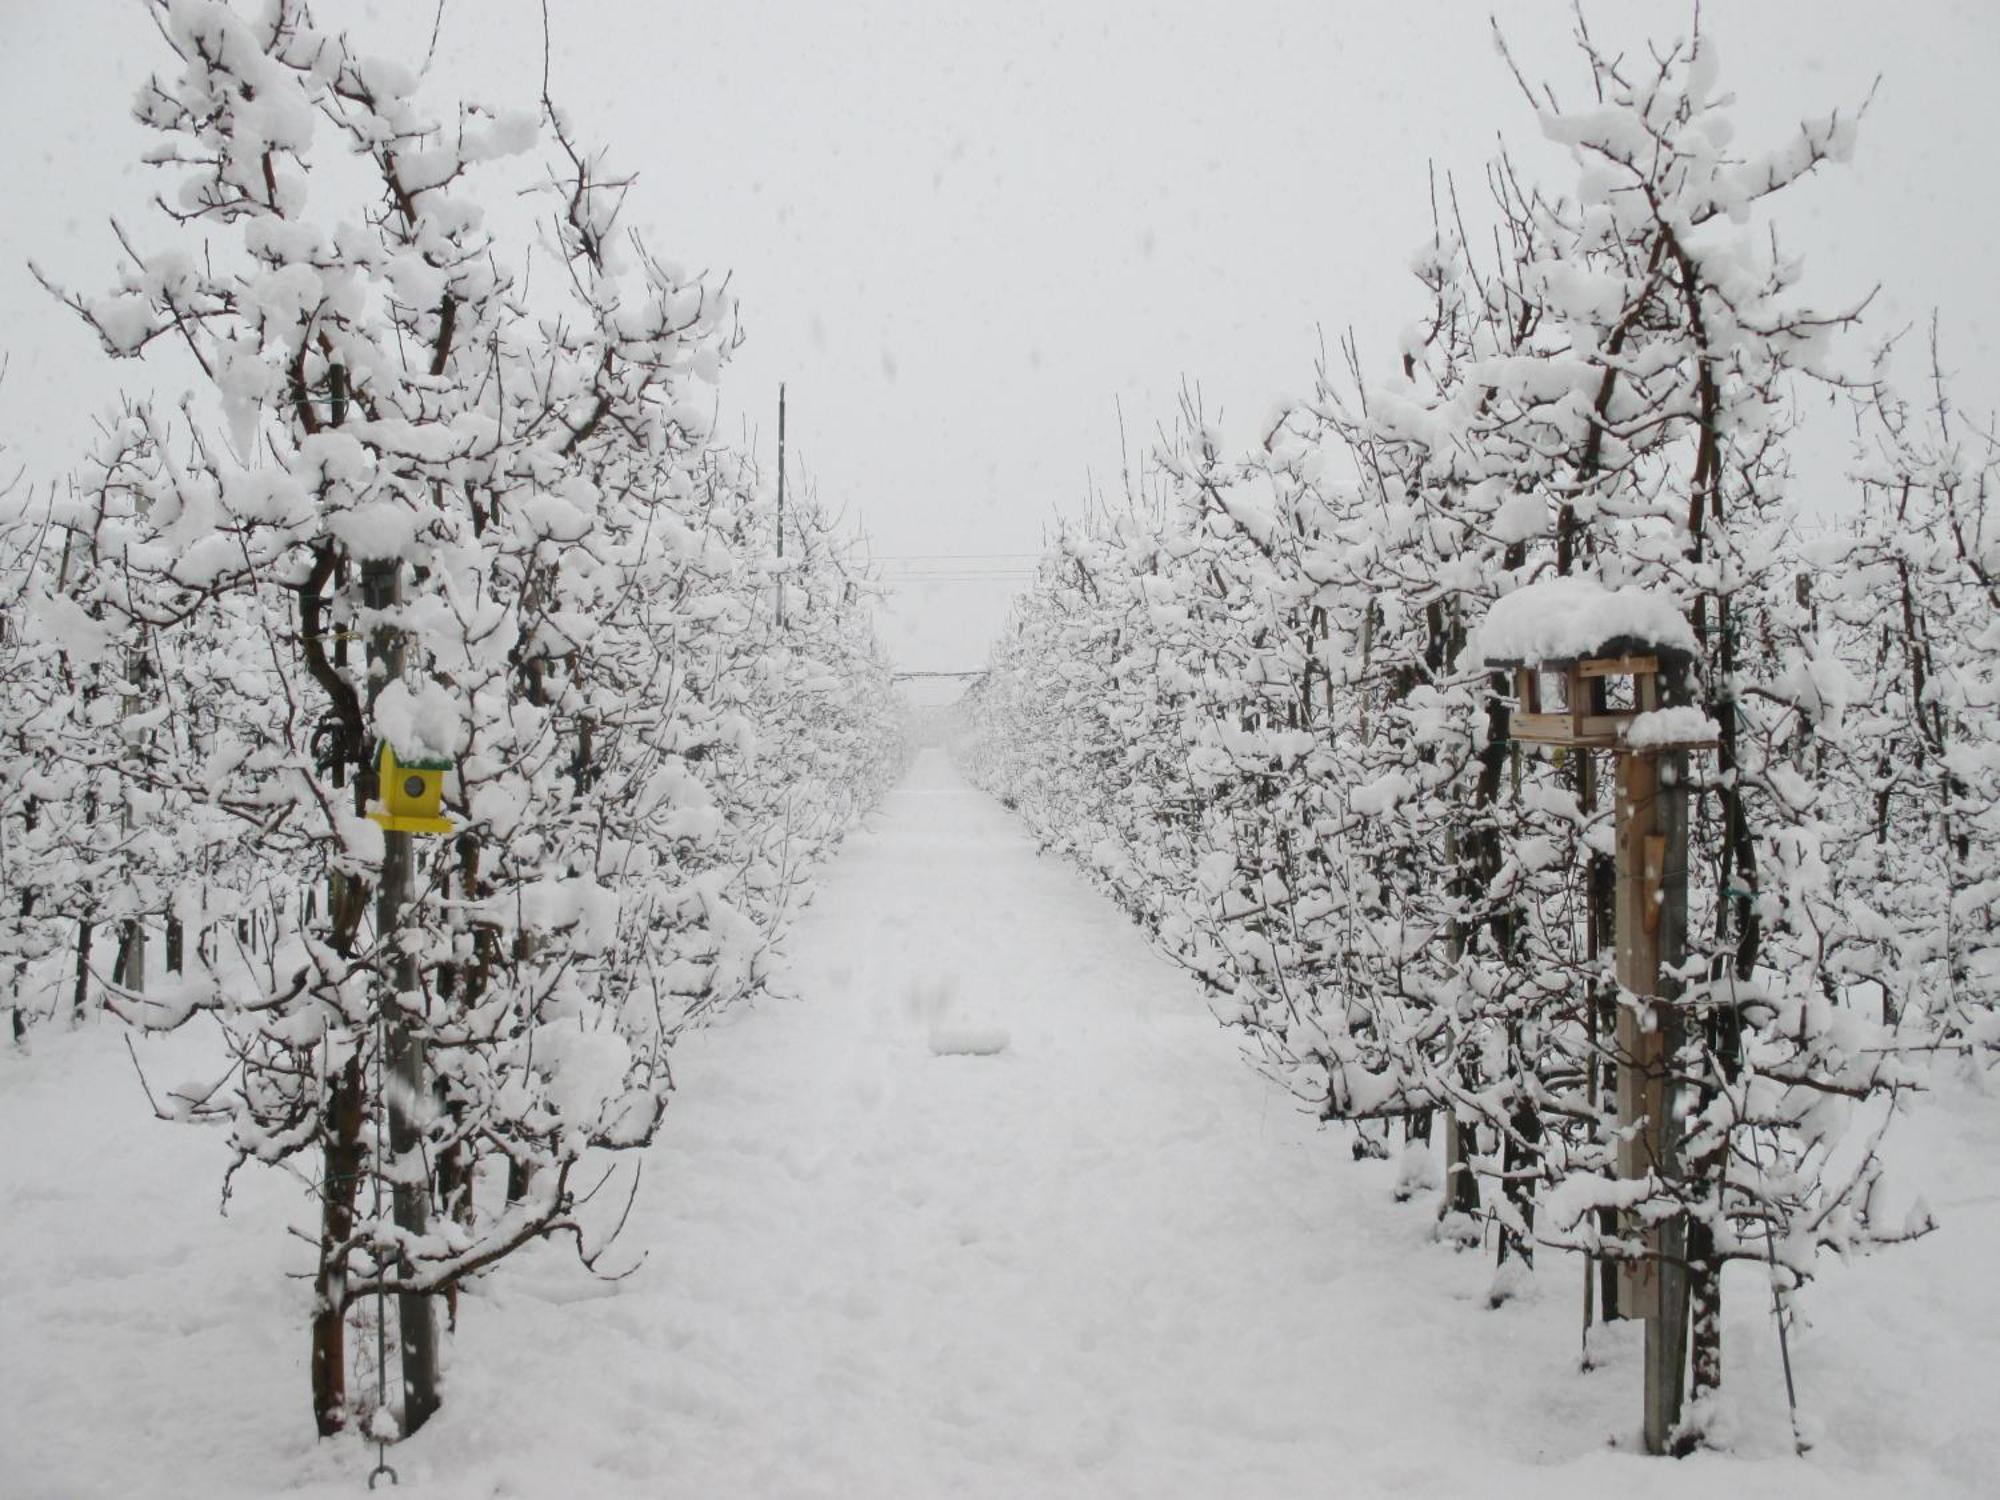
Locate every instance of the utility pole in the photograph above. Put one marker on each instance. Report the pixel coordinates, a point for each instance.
(781, 501)
(403, 1061)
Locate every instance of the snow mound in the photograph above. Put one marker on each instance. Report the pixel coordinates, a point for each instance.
(950, 1040)
(1685, 725)
(933, 1002)
(1561, 619)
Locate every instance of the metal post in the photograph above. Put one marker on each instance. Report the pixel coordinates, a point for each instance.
(1461, 1187)
(1600, 1011)
(404, 1061)
(1667, 1335)
(130, 967)
(781, 501)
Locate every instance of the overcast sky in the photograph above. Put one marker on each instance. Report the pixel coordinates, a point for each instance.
(966, 234)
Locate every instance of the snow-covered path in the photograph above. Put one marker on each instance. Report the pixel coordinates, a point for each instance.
(1073, 1265)
(1107, 1259)
(1110, 1259)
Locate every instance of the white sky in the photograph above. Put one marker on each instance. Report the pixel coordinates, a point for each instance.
(963, 233)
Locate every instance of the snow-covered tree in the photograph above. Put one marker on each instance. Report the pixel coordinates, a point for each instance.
(1913, 595)
(1413, 917)
(419, 513)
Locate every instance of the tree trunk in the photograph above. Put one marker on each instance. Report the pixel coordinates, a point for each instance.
(454, 1183)
(1461, 1188)
(85, 930)
(1704, 1292)
(1518, 1160)
(340, 1180)
(130, 968)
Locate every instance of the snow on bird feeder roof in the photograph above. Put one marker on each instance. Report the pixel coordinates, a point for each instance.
(1562, 620)
(1586, 663)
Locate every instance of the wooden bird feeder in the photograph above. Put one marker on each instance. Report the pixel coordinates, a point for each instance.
(1589, 664)
(412, 794)
(1585, 701)
(1587, 661)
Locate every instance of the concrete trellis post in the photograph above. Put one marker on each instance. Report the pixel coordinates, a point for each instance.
(404, 1061)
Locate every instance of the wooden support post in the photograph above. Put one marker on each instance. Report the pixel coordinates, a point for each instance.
(1649, 912)
(1651, 917)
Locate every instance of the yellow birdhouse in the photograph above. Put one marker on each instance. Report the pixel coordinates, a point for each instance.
(412, 794)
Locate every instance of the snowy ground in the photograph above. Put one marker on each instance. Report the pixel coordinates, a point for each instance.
(990, 1208)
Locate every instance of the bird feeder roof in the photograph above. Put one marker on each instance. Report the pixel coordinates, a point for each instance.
(427, 761)
(1557, 622)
